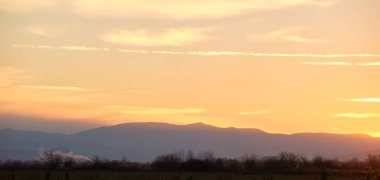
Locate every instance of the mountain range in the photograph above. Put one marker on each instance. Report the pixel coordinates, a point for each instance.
(142, 142)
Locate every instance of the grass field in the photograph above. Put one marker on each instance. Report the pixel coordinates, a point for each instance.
(120, 175)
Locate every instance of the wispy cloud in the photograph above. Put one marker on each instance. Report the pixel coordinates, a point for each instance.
(152, 52)
(341, 63)
(22, 6)
(154, 110)
(180, 9)
(368, 64)
(362, 100)
(143, 37)
(303, 39)
(39, 31)
(259, 112)
(290, 34)
(45, 87)
(64, 47)
(83, 48)
(10, 76)
(216, 53)
(257, 54)
(358, 115)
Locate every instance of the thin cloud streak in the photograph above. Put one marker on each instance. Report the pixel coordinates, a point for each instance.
(244, 113)
(144, 37)
(239, 53)
(291, 34)
(39, 31)
(44, 87)
(65, 47)
(302, 39)
(178, 9)
(22, 6)
(154, 110)
(358, 115)
(341, 63)
(215, 53)
(182, 9)
(362, 100)
(369, 64)
(10, 75)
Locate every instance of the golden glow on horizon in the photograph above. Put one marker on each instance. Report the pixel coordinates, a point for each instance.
(375, 134)
(363, 100)
(243, 63)
(358, 115)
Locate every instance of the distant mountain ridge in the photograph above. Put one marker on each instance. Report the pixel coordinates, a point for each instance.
(144, 141)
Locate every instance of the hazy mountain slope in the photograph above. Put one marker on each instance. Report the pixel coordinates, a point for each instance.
(16, 144)
(147, 140)
(26, 145)
(360, 155)
(144, 141)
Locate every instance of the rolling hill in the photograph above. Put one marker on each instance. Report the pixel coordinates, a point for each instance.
(144, 141)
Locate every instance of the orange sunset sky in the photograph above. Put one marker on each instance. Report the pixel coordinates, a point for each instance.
(282, 66)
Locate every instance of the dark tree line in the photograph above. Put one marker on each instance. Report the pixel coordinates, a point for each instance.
(283, 163)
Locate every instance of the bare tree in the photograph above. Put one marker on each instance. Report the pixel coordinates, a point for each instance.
(373, 161)
(52, 159)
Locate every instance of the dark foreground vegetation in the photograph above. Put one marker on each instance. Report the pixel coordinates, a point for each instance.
(55, 165)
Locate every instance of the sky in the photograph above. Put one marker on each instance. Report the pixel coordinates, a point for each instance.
(286, 66)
